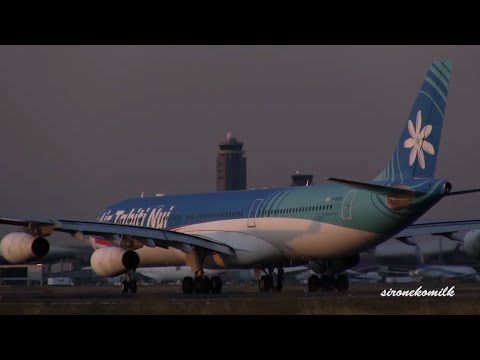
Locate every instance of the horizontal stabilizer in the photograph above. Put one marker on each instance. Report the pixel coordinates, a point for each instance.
(379, 189)
(444, 228)
(461, 192)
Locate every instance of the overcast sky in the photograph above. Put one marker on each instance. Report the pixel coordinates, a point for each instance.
(86, 126)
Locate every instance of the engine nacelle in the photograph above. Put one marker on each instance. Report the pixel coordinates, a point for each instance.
(471, 243)
(112, 261)
(20, 247)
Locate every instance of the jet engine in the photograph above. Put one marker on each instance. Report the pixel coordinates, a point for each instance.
(471, 243)
(20, 247)
(112, 261)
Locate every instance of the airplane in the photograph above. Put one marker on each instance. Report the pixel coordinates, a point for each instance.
(173, 274)
(266, 229)
(177, 273)
(442, 272)
(468, 244)
(420, 271)
(370, 276)
(434, 249)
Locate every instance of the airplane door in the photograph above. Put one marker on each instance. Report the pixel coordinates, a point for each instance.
(347, 205)
(252, 214)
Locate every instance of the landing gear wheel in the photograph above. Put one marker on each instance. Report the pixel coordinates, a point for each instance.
(201, 285)
(281, 274)
(265, 283)
(341, 283)
(124, 286)
(187, 285)
(261, 284)
(279, 285)
(133, 287)
(313, 283)
(216, 285)
(327, 283)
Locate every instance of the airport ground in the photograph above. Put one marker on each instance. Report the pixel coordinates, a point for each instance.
(236, 300)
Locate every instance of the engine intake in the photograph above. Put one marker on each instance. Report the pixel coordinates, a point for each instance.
(112, 261)
(20, 247)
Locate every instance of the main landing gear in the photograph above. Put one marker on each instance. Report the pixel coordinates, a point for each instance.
(201, 284)
(129, 283)
(273, 281)
(328, 283)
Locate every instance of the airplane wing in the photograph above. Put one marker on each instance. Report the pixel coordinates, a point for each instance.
(147, 236)
(439, 228)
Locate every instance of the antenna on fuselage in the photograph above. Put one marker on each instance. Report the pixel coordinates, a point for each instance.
(141, 195)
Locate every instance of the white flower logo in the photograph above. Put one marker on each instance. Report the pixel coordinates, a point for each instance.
(417, 141)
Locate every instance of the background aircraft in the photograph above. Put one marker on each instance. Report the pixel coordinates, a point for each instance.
(166, 274)
(399, 265)
(442, 272)
(446, 272)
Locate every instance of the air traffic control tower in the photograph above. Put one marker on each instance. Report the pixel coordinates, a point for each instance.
(231, 165)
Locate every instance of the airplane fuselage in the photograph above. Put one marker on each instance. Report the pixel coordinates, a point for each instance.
(274, 226)
(446, 272)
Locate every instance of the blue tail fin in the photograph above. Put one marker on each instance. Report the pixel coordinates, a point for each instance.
(417, 152)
